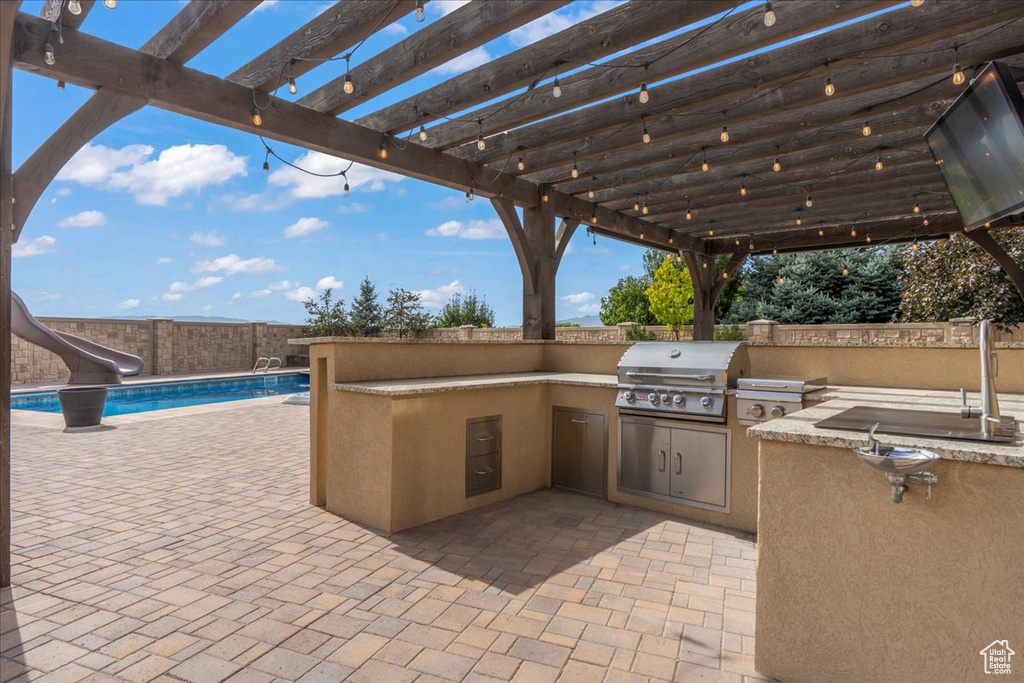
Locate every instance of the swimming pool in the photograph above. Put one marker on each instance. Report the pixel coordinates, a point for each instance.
(139, 398)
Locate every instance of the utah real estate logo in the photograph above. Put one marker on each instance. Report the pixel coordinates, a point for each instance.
(997, 657)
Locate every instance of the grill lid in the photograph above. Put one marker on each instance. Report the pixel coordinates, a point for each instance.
(684, 364)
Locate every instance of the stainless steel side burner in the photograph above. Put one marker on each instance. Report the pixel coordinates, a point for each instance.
(766, 398)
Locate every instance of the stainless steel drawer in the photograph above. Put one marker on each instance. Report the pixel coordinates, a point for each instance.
(483, 473)
(484, 437)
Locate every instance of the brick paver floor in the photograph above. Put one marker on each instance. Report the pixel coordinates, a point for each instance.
(183, 549)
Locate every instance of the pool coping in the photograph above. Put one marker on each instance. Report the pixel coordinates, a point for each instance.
(161, 379)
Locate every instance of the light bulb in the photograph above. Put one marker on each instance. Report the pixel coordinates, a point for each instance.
(799, 221)
(865, 129)
(480, 144)
(915, 246)
(645, 96)
(556, 89)
(591, 193)
(575, 171)
(48, 55)
(917, 208)
(878, 163)
(647, 135)
(808, 202)
(958, 75)
(853, 232)
(705, 166)
(689, 215)
(737, 243)
(821, 233)
(420, 14)
(916, 3)
(110, 4)
(846, 271)
(725, 275)
(671, 240)
(769, 14)
(782, 280)
(292, 88)
(830, 88)
(925, 222)
(724, 137)
(704, 264)
(641, 235)
(646, 210)
(75, 7)
(544, 196)
(868, 238)
(423, 134)
(593, 218)
(775, 251)
(743, 190)
(60, 85)
(521, 165)
(469, 195)
(266, 165)
(383, 153)
(711, 233)
(636, 204)
(777, 166)
(349, 87)
(257, 120)
(346, 190)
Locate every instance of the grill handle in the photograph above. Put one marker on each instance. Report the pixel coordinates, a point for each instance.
(668, 375)
(663, 456)
(679, 463)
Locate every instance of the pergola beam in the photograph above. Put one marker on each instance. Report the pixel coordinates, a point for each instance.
(988, 243)
(453, 35)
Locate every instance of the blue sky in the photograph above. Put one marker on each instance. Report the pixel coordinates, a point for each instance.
(167, 215)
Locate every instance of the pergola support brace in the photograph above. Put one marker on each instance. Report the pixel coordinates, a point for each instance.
(985, 240)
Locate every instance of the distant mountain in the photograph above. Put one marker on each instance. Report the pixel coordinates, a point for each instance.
(194, 319)
(585, 321)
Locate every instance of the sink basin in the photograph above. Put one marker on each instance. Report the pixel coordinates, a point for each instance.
(898, 459)
(929, 423)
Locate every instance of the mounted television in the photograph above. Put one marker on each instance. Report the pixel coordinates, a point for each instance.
(978, 144)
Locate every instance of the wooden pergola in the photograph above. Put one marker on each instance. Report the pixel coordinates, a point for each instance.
(632, 146)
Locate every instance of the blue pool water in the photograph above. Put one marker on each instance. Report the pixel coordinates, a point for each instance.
(140, 398)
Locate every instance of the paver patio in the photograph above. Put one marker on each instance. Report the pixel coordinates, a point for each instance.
(184, 549)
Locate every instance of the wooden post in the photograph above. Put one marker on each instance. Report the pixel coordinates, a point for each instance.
(702, 273)
(7, 13)
(539, 305)
(985, 240)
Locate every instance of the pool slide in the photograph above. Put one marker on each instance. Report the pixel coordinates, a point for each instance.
(88, 362)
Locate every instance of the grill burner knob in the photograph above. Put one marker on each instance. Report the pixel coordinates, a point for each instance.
(757, 410)
(679, 400)
(778, 411)
(653, 398)
(707, 402)
(628, 396)
(664, 399)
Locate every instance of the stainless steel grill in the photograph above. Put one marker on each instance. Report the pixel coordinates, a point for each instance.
(684, 380)
(761, 399)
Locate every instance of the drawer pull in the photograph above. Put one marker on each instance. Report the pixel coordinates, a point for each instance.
(579, 422)
(485, 438)
(488, 470)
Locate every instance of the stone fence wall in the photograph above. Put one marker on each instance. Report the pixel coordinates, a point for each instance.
(169, 346)
(166, 345)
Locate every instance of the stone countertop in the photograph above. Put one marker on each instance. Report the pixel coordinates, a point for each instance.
(433, 385)
(799, 427)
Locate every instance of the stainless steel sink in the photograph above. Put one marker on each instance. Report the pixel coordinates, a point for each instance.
(930, 423)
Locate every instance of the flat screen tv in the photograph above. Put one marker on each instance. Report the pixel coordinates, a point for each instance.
(978, 144)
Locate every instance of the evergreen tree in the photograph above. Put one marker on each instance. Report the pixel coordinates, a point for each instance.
(325, 317)
(404, 313)
(671, 295)
(366, 315)
(468, 310)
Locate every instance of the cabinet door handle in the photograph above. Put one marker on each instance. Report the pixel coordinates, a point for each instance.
(484, 471)
(579, 422)
(663, 457)
(679, 463)
(485, 438)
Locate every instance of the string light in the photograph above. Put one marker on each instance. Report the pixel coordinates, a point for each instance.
(799, 221)
(703, 263)
(671, 239)
(725, 275)
(958, 73)
(641, 235)
(544, 194)
(636, 204)
(689, 215)
(346, 190)
(777, 166)
(423, 135)
(556, 89)
(469, 195)
(808, 202)
(916, 3)
(575, 169)
(48, 54)
(865, 129)
(292, 88)
(846, 270)
(914, 246)
(647, 134)
(591, 193)
(853, 232)
(821, 233)
(868, 238)
(724, 136)
(75, 7)
(830, 88)
(521, 165)
(737, 241)
(481, 145)
(60, 85)
(420, 15)
(383, 153)
(704, 166)
(878, 163)
(775, 251)
(743, 190)
(110, 4)
(349, 87)
(769, 14)
(925, 222)
(257, 119)
(782, 280)
(646, 209)
(917, 208)
(266, 164)
(645, 95)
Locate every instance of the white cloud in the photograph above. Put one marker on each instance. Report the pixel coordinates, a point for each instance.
(394, 30)
(50, 296)
(449, 203)
(177, 290)
(207, 308)
(435, 298)
(282, 284)
(164, 260)
(175, 171)
(208, 239)
(129, 304)
(329, 282)
(169, 296)
(304, 226)
(64, 192)
(233, 264)
(464, 62)
(236, 296)
(470, 230)
(264, 6)
(86, 219)
(446, 7)
(354, 207)
(590, 309)
(301, 293)
(44, 244)
(382, 237)
(304, 186)
(553, 22)
(260, 292)
(576, 299)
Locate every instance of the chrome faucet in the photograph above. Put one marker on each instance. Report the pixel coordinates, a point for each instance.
(989, 410)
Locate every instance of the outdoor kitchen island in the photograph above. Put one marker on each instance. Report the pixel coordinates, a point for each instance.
(851, 586)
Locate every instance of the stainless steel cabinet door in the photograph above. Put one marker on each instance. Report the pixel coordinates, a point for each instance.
(644, 460)
(700, 466)
(579, 450)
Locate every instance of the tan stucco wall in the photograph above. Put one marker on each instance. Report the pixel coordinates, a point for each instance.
(359, 458)
(368, 361)
(851, 587)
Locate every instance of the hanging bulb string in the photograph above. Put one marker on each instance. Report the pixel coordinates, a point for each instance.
(271, 152)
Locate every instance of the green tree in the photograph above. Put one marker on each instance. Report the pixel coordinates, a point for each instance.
(627, 302)
(811, 287)
(366, 314)
(325, 317)
(404, 313)
(468, 310)
(671, 296)
(955, 278)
